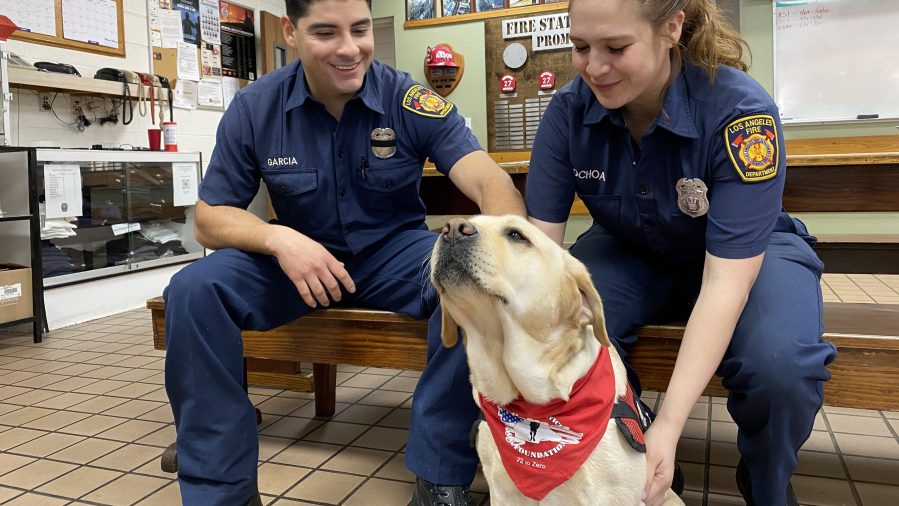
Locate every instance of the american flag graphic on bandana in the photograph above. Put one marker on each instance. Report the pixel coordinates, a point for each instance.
(542, 446)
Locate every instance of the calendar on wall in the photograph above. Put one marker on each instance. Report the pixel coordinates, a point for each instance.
(95, 26)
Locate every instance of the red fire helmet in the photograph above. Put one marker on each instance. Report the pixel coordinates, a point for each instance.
(440, 56)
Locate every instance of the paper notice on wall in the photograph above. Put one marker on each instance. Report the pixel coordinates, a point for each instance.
(184, 184)
(188, 66)
(212, 60)
(62, 190)
(230, 85)
(37, 16)
(170, 28)
(209, 93)
(185, 94)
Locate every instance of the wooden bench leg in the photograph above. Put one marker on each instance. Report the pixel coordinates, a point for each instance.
(325, 384)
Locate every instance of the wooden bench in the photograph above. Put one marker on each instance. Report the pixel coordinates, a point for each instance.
(865, 374)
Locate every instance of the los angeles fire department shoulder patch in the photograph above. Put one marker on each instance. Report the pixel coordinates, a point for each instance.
(425, 102)
(753, 146)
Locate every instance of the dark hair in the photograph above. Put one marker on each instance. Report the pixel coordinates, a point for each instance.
(297, 9)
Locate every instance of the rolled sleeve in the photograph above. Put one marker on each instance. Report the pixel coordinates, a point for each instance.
(742, 213)
(232, 177)
(550, 183)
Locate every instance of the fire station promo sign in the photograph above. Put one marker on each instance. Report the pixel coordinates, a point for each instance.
(546, 32)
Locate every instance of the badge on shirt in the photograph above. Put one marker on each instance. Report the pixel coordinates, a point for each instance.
(425, 102)
(752, 143)
(692, 197)
(383, 142)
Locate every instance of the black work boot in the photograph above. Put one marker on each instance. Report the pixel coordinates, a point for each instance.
(256, 500)
(428, 494)
(744, 483)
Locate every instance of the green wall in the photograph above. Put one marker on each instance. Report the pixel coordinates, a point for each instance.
(756, 25)
(466, 38)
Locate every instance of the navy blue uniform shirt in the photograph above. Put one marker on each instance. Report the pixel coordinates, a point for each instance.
(322, 175)
(728, 134)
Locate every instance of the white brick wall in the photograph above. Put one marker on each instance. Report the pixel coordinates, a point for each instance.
(30, 126)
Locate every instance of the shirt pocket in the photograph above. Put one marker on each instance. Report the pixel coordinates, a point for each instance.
(292, 182)
(605, 210)
(390, 179)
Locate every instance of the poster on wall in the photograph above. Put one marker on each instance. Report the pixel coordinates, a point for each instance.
(238, 41)
(190, 19)
(456, 7)
(209, 21)
(489, 5)
(419, 9)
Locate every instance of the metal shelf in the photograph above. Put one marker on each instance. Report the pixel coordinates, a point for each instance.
(18, 169)
(17, 217)
(22, 77)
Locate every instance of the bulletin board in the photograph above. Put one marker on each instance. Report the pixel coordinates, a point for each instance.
(206, 49)
(513, 117)
(96, 26)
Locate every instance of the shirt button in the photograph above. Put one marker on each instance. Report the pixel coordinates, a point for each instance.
(283, 188)
(643, 189)
(389, 184)
(342, 193)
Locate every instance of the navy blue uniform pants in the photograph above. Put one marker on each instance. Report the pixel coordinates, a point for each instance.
(210, 301)
(774, 368)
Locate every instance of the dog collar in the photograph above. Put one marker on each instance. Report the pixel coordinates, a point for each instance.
(542, 446)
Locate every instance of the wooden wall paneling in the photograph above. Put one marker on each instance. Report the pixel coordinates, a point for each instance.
(528, 95)
(844, 145)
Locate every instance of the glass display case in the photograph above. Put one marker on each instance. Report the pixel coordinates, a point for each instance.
(105, 213)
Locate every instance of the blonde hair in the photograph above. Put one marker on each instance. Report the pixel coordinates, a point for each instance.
(707, 39)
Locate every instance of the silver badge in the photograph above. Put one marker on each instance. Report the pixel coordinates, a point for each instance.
(383, 142)
(692, 197)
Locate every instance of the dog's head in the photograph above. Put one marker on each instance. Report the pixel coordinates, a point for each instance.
(504, 274)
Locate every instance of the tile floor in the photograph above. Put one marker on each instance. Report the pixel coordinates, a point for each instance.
(84, 418)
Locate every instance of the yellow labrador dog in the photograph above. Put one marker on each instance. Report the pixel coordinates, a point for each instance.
(542, 367)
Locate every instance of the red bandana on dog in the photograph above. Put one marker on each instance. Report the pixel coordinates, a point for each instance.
(543, 446)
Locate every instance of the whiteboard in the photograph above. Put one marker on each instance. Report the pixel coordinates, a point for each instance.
(836, 59)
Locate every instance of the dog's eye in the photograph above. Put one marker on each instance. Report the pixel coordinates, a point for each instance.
(516, 235)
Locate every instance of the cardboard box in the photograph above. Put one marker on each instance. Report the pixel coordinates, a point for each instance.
(15, 292)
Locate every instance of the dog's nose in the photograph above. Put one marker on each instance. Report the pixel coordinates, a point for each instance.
(457, 228)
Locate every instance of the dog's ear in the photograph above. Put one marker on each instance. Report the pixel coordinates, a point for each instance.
(449, 330)
(591, 304)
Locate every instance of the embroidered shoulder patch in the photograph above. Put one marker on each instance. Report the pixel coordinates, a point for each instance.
(752, 144)
(425, 102)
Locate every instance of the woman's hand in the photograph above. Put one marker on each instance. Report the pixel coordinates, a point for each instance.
(661, 446)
